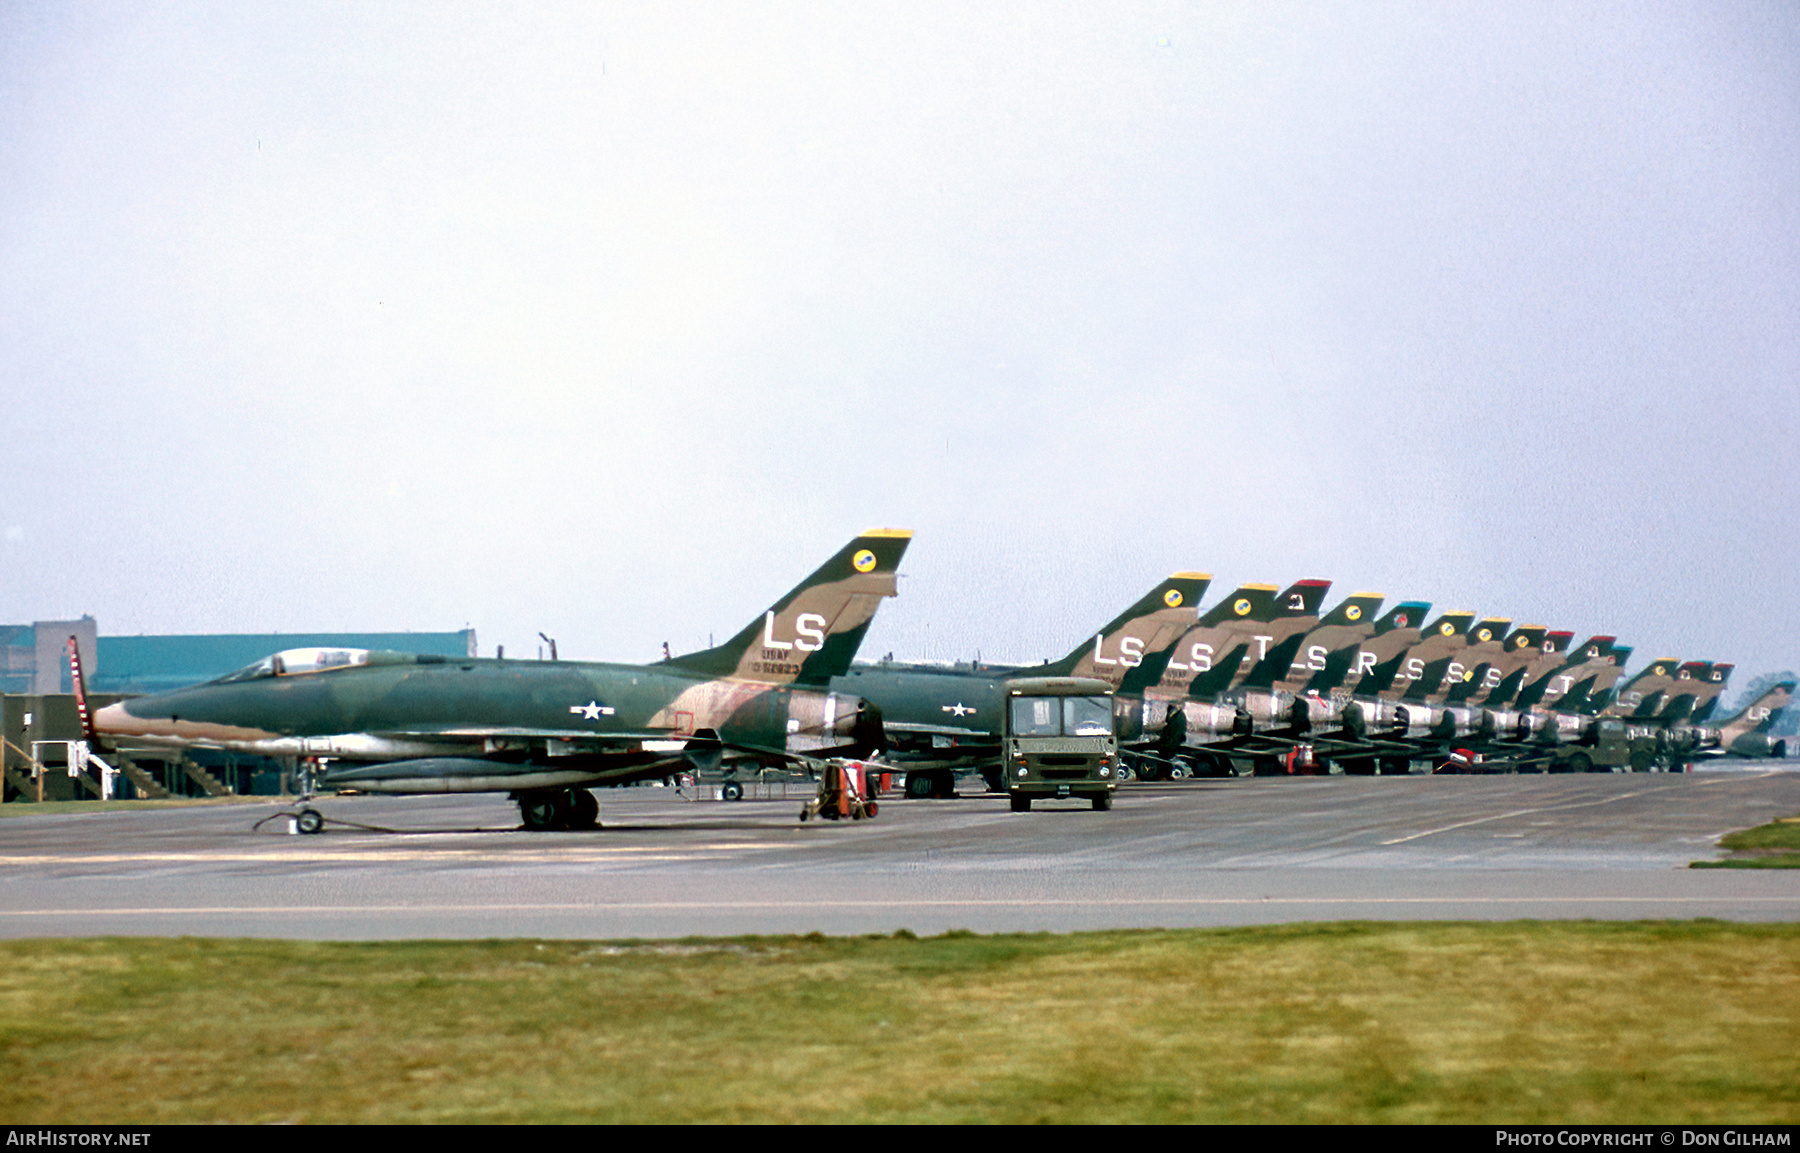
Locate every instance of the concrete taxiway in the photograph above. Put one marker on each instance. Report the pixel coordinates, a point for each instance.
(1233, 852)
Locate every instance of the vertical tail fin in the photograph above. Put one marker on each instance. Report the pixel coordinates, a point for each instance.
(811, 634)
(1128, 642)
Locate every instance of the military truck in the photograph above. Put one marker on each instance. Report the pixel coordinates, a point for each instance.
(1058, 740)
(1610, 746)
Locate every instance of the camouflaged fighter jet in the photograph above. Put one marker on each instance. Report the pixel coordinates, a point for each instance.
(936, 720)
(1745, 734)
(1214, 725)
(546, 731)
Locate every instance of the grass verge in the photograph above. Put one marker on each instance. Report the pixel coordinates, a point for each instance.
(1547, 1022)
(1775, 845)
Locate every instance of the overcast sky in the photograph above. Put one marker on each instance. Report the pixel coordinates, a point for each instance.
(614, 321)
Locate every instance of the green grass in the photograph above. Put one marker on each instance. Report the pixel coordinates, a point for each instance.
(1548, 1022)
(1775, 845)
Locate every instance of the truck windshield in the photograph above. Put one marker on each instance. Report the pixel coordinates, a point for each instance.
(1087, 717)
(1061, 716)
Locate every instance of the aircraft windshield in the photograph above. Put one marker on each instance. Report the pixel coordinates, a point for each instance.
(289, 662)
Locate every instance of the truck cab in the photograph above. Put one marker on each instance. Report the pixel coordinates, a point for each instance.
(1058, 740)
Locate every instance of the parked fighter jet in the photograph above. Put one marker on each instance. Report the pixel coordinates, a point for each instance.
(936, 720)
(546, 731)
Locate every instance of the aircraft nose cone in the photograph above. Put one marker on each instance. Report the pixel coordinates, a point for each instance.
(113, 719)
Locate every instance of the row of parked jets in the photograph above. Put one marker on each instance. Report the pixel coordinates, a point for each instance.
(1264, 681)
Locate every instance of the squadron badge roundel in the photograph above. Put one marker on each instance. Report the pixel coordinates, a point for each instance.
(1446, 628)
(1520, 643)
(1485, 635)
(863, 561)
(1240, 606)
(1172, 598)
(1354, 612)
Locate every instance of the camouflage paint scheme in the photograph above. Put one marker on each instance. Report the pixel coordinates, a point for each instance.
(936, 719)
(430, 724)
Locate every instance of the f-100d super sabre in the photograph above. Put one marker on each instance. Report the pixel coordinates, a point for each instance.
(547, 731)
(937, 720)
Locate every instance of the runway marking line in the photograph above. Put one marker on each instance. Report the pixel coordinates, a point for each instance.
(1559, 808)
(533, 856)
(1514, 813)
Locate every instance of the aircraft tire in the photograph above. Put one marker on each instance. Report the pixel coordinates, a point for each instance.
(805, 813)
(309, 821)
(583, 809)
(1265, 767)
(1581, 763)
(732, 791)
(920, 785)
(1021, 804)
(542, 812)
(1395, 766)
(1178, 771)
(944, 783)
(872, 810)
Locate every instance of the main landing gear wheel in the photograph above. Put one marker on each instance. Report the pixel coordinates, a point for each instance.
(1178, 771)
(559, 809)
(732, 791)
(309, 821)
(584, 809)
(920, 785)
(541, 811)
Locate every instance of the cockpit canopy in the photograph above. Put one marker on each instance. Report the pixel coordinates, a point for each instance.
(292, 662)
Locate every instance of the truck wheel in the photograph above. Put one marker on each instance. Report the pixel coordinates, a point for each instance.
(1102, 802)
(1575, 763)
(1395, 766)
(1642, 762)
(1021, 804)
(1265, 767)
